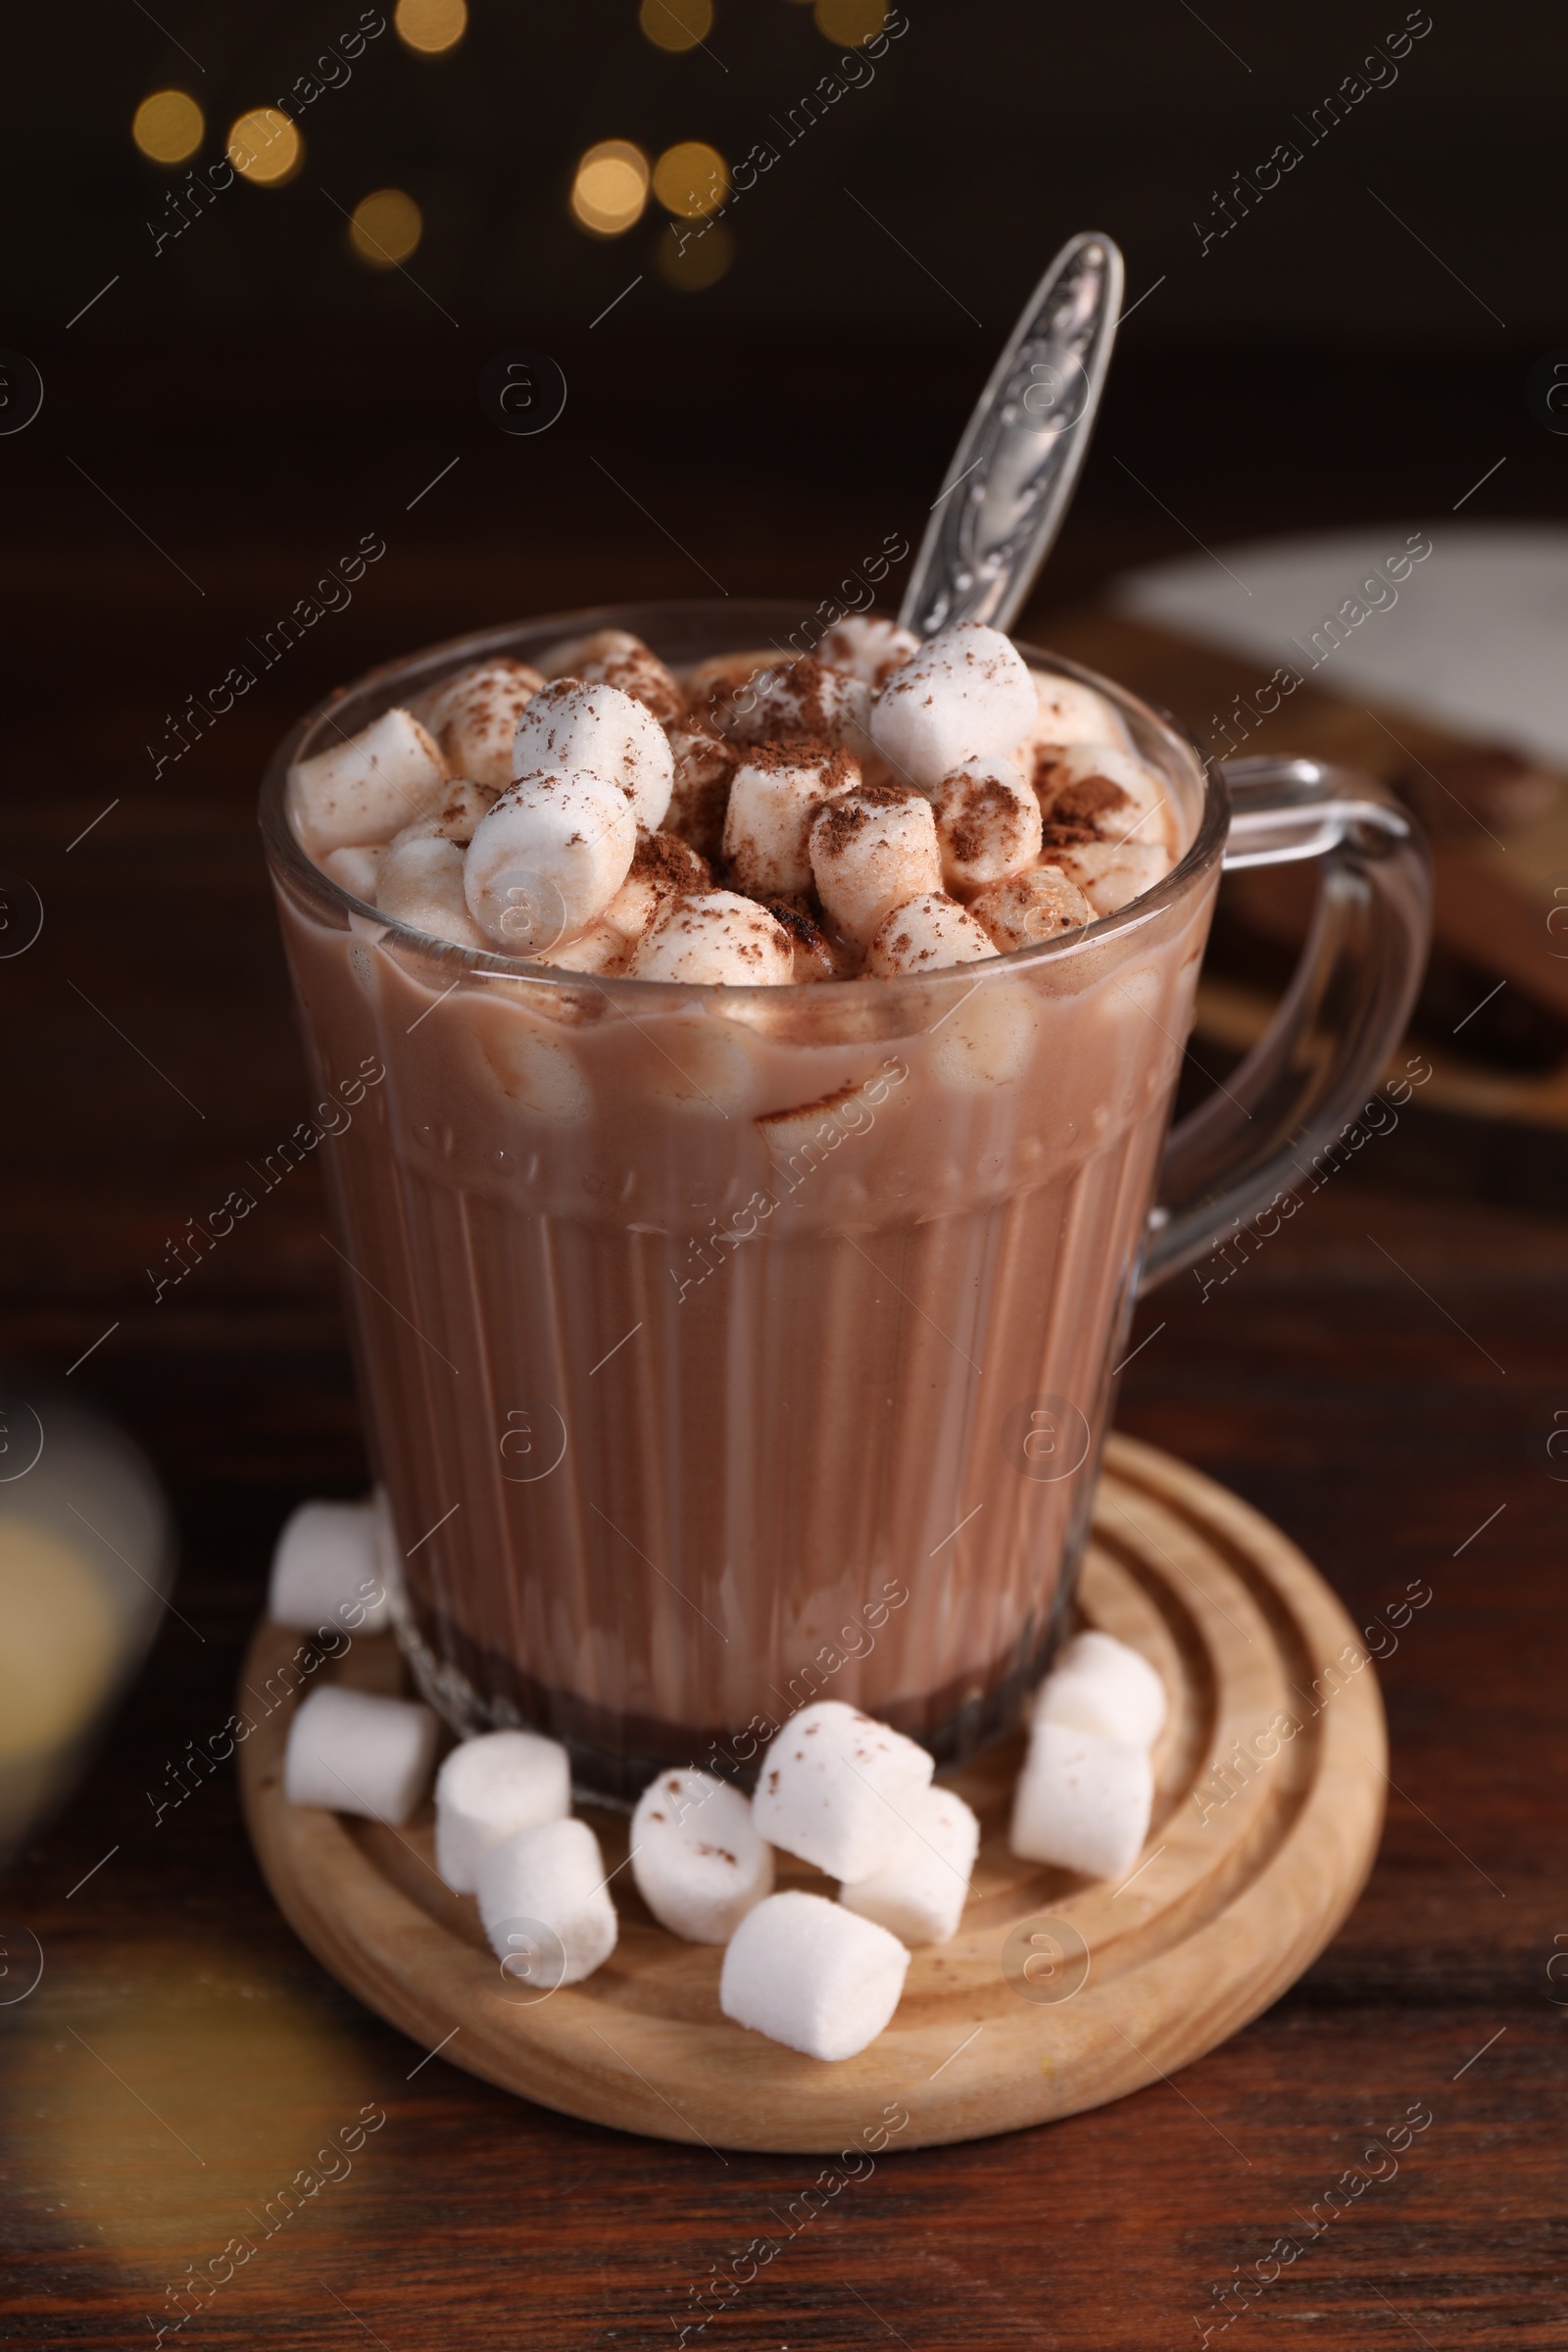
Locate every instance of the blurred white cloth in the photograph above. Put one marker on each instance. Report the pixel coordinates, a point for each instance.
(1477, 637)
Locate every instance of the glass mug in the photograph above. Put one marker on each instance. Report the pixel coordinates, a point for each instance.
(724, 1348)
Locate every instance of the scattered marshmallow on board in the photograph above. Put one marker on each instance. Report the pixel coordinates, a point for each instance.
(698, 1863)
(490, 1786)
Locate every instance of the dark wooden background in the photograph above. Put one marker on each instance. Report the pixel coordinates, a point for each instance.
(183, 2056)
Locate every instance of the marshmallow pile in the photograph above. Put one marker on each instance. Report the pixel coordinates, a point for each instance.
(888, 807)
(836, 1789)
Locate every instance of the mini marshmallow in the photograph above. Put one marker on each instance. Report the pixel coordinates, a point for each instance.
(923, 935)
(1091, 791)
(816, 956)
(553, 1874)
(919, 1893)
(867, 648)
(1110, 873)
(698, 1864)
(570, 725)
(475, 714)
(835, 1788)
(966, 695)
(421, 883)
(366, 787)
(353, 1753)
(704, 765)
(489, 1786)
(455, 817)
(714, 936)
(601, 948)
(873, 850)
(988, 824)
(326, 1570)
(1081, 1802)
(662, 867)
(801, 700)
(354, 868)
(775, 794)
(813, 1975)
(711, 686)
(1030, 908)
(1101, 1685)
(1067, 712)
(615, 658)
(550, 855)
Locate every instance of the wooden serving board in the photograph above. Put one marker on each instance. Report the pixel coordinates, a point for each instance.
(1243, 1881)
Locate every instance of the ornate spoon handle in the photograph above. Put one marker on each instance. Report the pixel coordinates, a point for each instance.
(1013, 474)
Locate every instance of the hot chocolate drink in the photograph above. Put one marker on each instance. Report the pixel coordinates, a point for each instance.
(779, 1056)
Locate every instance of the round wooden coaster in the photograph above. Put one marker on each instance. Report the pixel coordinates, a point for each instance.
(1056, 1994)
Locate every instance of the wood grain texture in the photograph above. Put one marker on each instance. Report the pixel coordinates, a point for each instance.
(1243, 1882)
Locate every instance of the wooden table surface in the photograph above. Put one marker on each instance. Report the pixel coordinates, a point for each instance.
(1381, 1380)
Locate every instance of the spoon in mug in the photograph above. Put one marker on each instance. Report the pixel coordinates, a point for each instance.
(1012, 475)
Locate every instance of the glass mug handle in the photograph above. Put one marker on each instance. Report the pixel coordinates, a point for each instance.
(1320, 1062)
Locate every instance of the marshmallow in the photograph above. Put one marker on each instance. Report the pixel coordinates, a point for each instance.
(816, 956)
(1100, 1685)
(551, 1876)
(775, 794)
(662, 867)
(615, 658)
(873, 850)
(600, 950)
(698, 1864)
(1081, 1802)
(835, 1788)
(867, 648)
(455, 817)
(1067, 712)
(550, 855)
(988, 824)
(353, 1753)
(966, 695)
(1093, 792)
(987, 1039)
(326, 1570)
(714, 936)
(475, 714)
(570, 725)
(1030, 908)
(421, 883)
(923, 935)
(813, 1975)
(711, 686)
(366, 787)
(489, 1786)
(1109, 873)
(919, 1893)
(354, 868)
(699, 794)
(801, 700)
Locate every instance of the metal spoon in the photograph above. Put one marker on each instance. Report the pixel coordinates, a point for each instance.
(1012, 475)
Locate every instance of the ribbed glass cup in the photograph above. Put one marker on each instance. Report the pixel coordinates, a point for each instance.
(726, 1347)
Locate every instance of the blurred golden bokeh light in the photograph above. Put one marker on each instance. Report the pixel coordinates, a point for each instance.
(431, 25)
(167, 126)
(610, 188)
(849, 24)
(265, 147)
(675, 24)
(385, 228)
(691, 179)
(698, 262)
